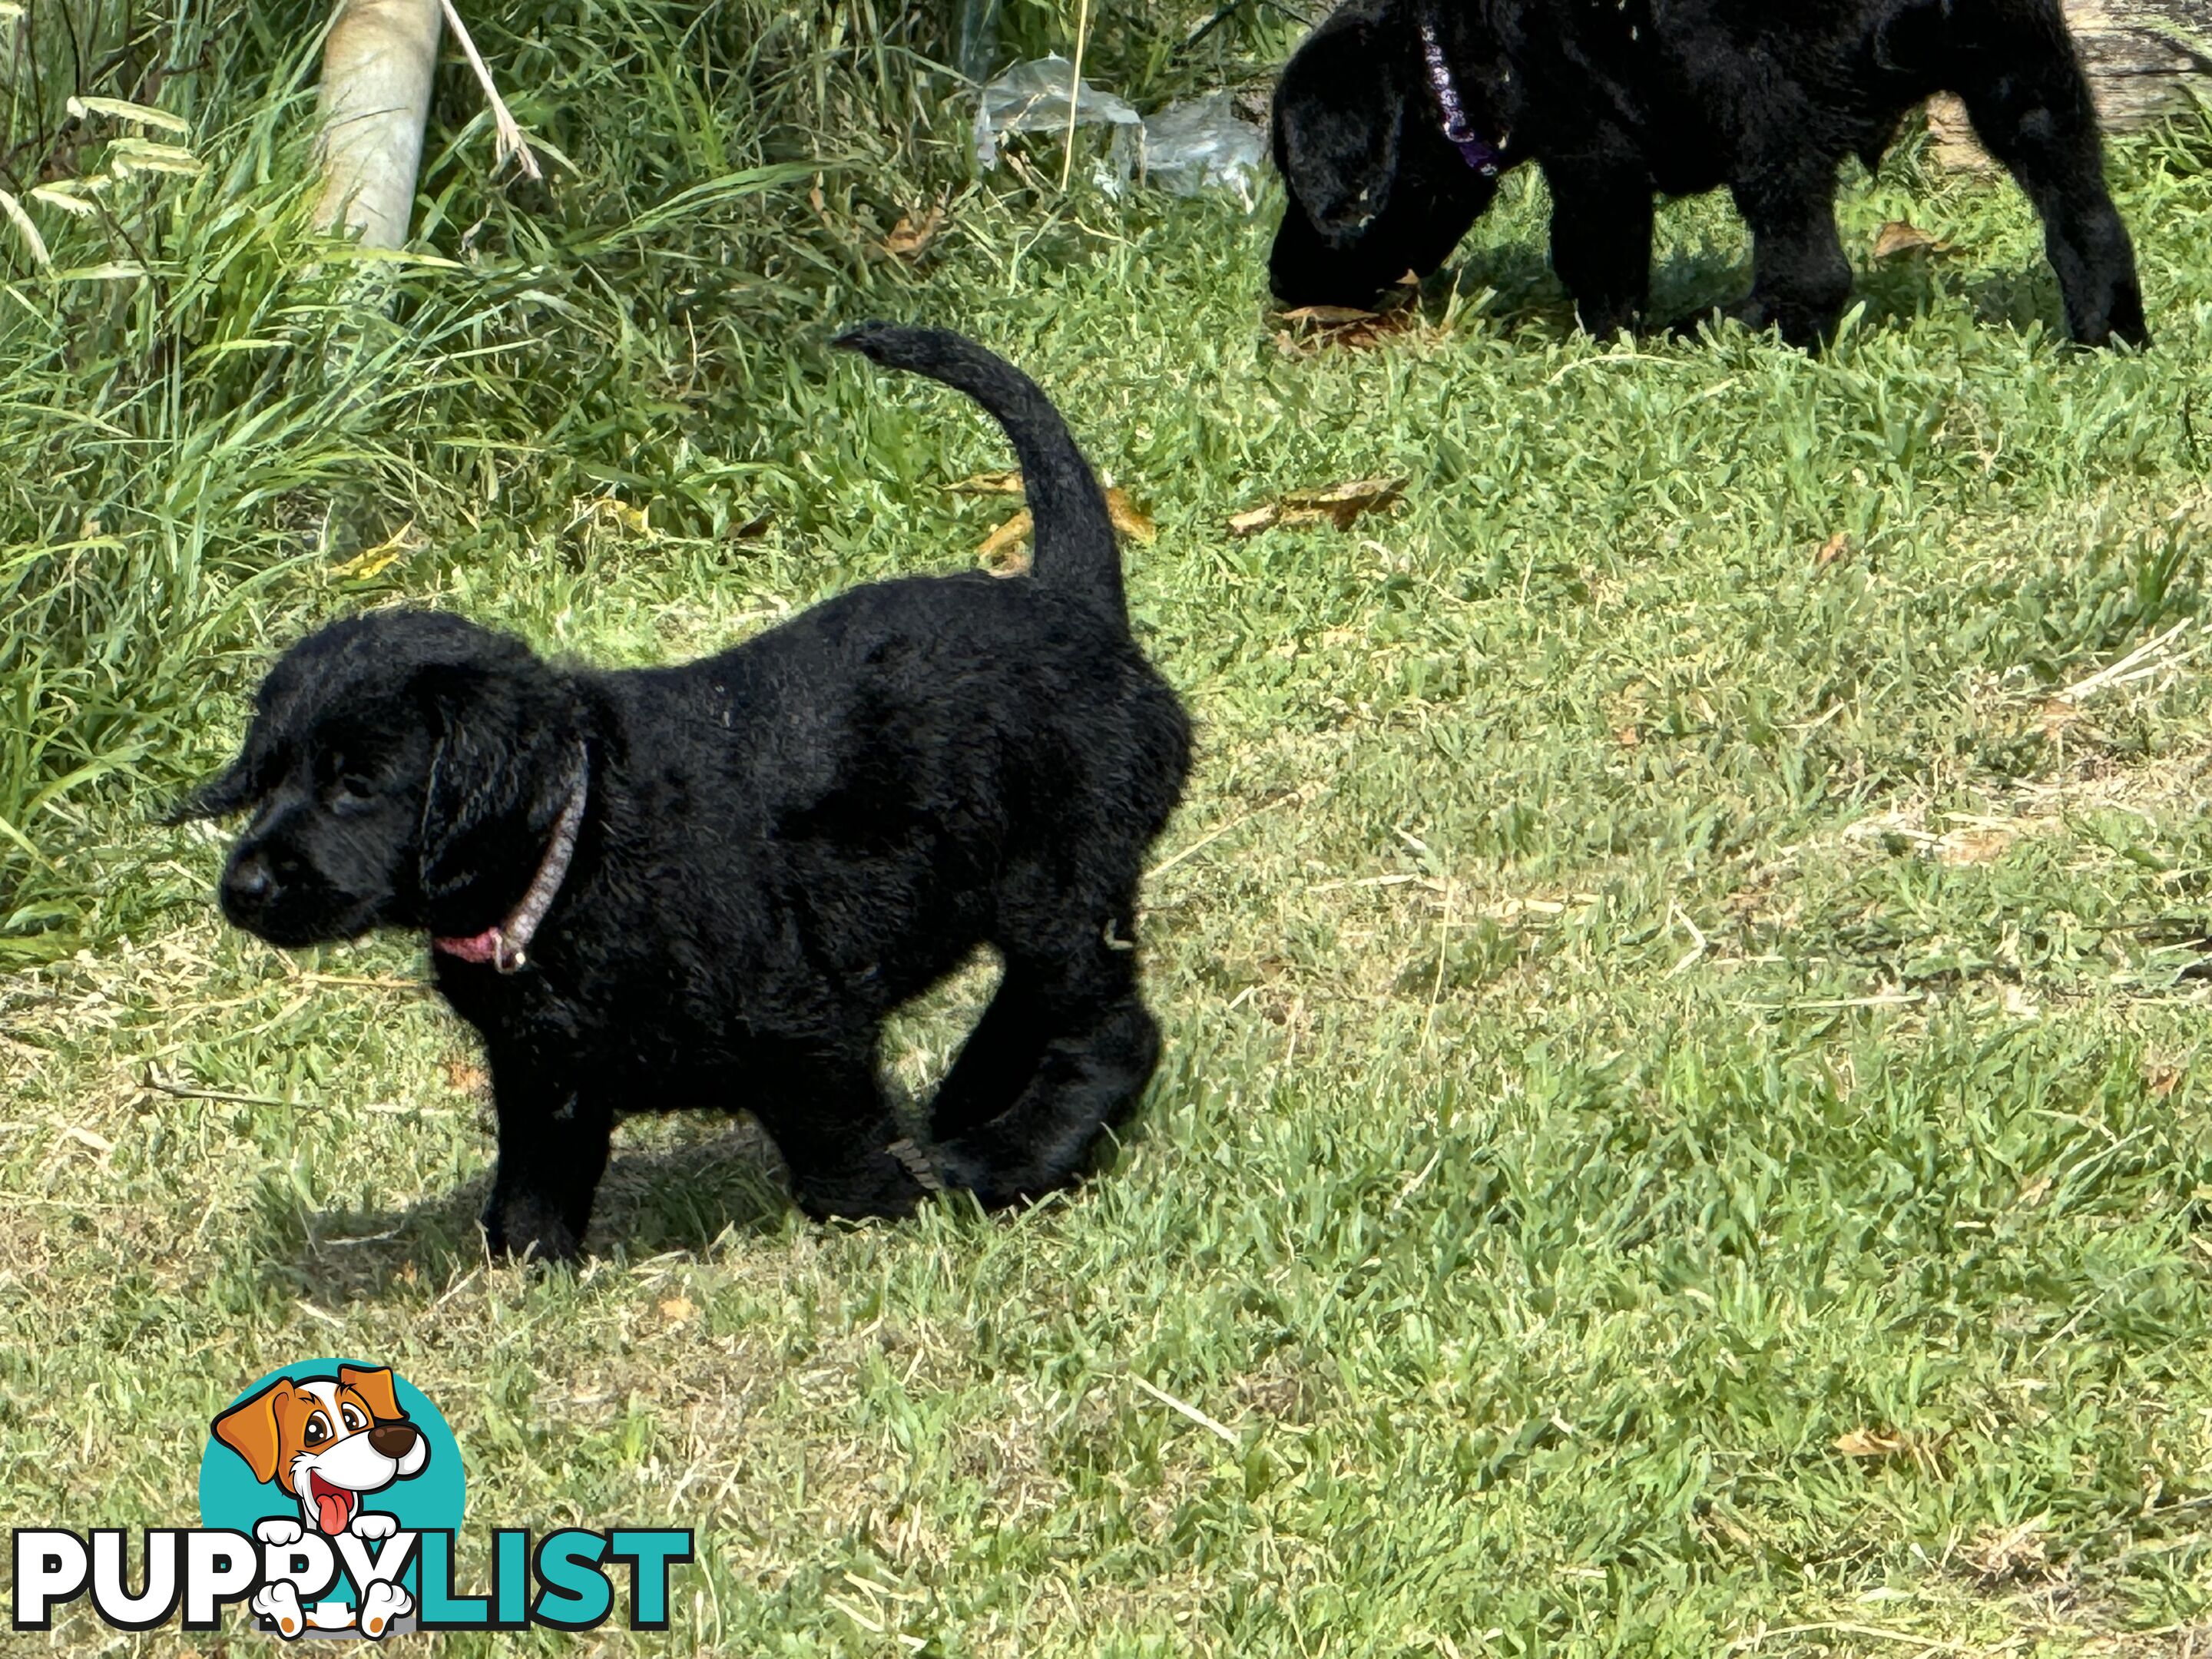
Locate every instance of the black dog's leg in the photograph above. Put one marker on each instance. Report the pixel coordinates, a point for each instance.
(1799, 277)
(2033, 113)
(552, 1152)
(1095, 1047)
(827, 1115)
(1602, 242)
(997, 1059)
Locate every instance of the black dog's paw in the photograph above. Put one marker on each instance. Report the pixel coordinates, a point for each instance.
(524, 1227)
(889, 1185)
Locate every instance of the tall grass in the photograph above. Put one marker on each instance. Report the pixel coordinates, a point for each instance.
(207, 413)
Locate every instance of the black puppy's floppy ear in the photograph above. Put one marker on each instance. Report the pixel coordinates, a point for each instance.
(232, 791)
(497, 756)
(1339, 110)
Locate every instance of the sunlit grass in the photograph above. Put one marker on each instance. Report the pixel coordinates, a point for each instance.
(1659, 977)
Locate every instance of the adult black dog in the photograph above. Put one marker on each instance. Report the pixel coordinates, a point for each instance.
(1394, 120)
(708, 885)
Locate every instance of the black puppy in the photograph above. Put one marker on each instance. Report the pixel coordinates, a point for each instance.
(1394, 120)
(708, 885)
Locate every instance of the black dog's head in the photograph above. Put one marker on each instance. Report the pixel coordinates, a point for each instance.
(1375, 187)
(401, 769)
(1339, 108)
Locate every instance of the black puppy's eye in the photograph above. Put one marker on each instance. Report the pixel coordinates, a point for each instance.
(345, 785)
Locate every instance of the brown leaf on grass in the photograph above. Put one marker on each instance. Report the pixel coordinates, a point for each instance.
(2001, 1555)
(1129, 519)
(1978, 843)
(2161, 1080)
(911, 235)
(1330, 316)
(989, 483)
(1838, 548)
(1342, 505)
(466, 1077)
(1005, 552)
(1900, 237)
(1626, 735)
(676, 1308)
(2057, 714)
(1312, 328)
(1872, 1442)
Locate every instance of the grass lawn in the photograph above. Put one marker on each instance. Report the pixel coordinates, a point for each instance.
(1680, 1131)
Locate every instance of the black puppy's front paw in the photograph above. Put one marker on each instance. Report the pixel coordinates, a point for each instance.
(527, 1227)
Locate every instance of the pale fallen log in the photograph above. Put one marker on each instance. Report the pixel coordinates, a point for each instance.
(377, 68)
(2147, 59)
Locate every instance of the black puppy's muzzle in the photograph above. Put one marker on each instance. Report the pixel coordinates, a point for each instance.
(269, 890)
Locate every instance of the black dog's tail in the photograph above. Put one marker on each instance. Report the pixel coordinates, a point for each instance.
(1073, 535)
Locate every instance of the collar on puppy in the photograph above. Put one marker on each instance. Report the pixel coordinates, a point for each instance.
(1478, 152)
(504, 945)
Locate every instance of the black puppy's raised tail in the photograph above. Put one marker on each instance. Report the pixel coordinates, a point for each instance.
(1073, 535)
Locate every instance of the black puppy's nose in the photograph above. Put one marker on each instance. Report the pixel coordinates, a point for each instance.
(248, 882)
(394, 1440)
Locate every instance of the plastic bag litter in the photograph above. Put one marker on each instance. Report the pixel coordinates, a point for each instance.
(1202, 144)
(1033, 97)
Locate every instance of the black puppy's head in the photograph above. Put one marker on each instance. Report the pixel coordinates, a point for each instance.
(1376, 189)
(1339, 109)
(402, 769)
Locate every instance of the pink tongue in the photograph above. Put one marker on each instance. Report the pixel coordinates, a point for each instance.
(331, 1506)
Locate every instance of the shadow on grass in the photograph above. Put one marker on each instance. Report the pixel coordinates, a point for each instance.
(682, 1196)
(1684, 289)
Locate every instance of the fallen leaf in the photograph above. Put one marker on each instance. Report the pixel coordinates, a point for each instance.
(1871, 1443)
(676, 1308)
(1331, 316)
(1900, 237)
(989, 483)
(1976, 844)
(1340, 505)
(910, 236)
(1626, 736)
(2161, 1080)
(1838, 548)
(1129, 519)
(1998, 1554)
(466, 1077)
(1002, 551)
(378, 559)
(1313, 328)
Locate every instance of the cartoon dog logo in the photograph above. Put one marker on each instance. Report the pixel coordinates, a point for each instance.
(327, 1442)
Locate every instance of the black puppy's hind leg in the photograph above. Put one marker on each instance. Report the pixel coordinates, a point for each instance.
(1091, 1048)
(552, 1150)
(2030, 106)
(1601, 243)
(826, 1113)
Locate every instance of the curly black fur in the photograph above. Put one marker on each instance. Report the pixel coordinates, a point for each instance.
(780, 845)
(1617, 99)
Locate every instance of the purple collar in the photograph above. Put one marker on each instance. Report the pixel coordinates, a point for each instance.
(1478, 152)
